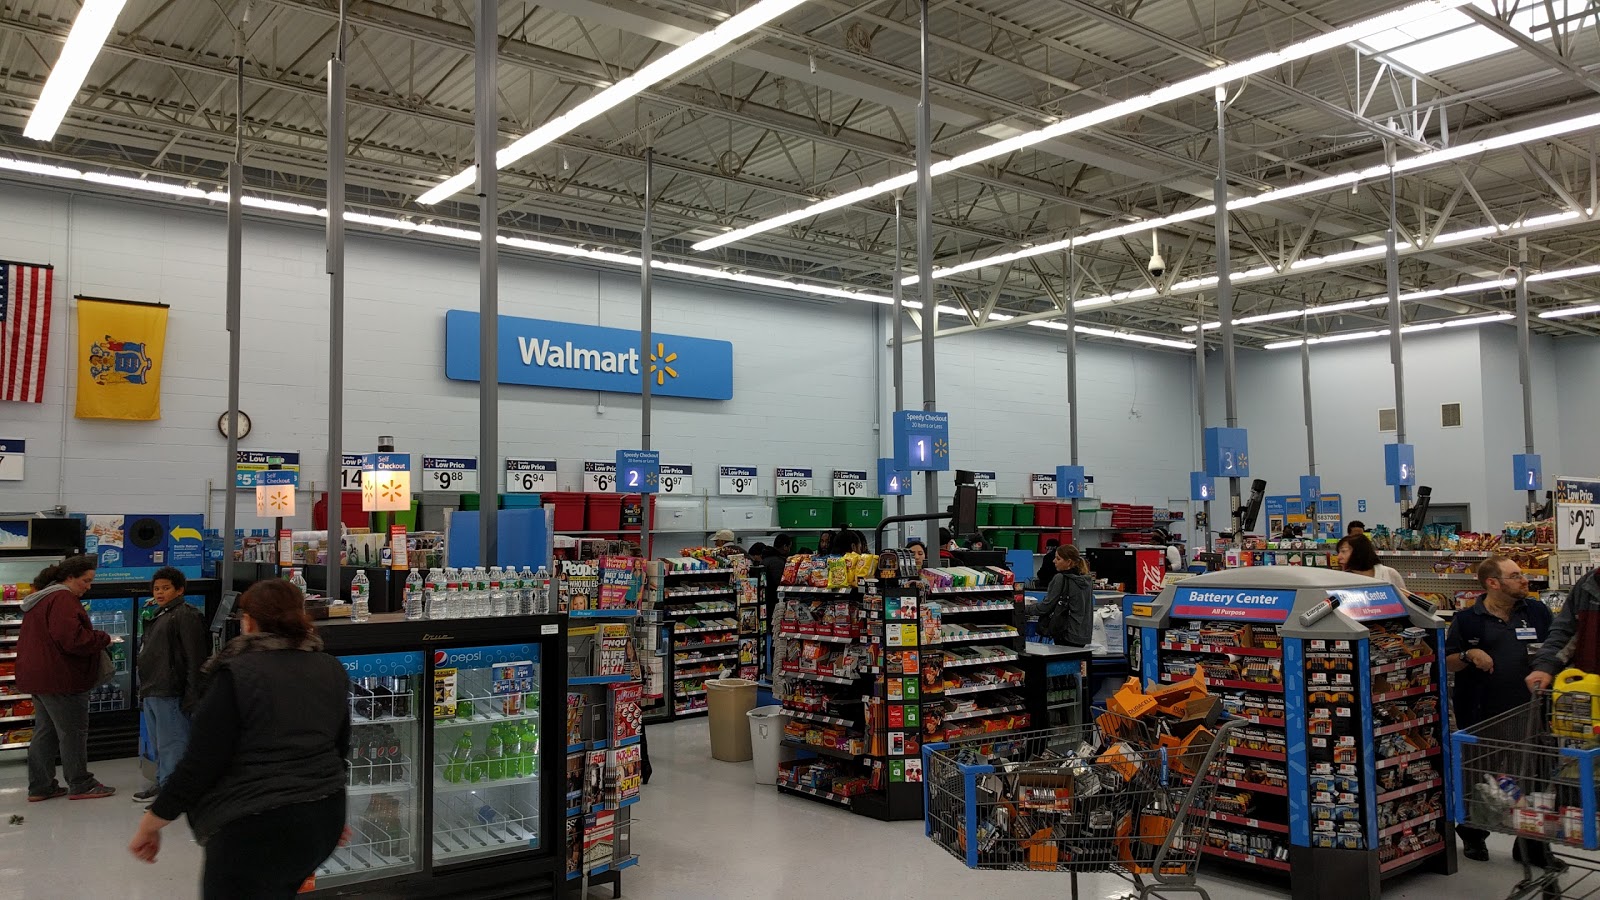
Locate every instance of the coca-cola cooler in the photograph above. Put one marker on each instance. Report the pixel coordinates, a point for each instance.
(1139, 570)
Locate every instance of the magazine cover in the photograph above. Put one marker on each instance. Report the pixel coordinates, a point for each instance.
(574, 845)
(626, 763)
(620, 580)
(574, 780)
(626, 717)
(614, 638)
(574, 719)
(594, 779)
(597, 839)
(578, 586)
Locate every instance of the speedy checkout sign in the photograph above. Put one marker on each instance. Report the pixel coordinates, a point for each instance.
(1241, 605)
(544, 353)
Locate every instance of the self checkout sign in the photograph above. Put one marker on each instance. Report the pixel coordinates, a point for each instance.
(638, 471)
(677, 479)
(737, 481)
(987, 484)
(530, 476)
(792, 482)
(599, 477)
(450, 473)
(12, 452)
(921, 441)
(849, 483)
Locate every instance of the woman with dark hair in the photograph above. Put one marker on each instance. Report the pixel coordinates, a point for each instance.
(58, 662)
(263, 781)
(1358, 557)
(1067, 614)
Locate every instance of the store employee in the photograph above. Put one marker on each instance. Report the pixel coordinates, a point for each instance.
(1491, 647)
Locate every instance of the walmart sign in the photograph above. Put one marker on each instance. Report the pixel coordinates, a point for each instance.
(544, 353)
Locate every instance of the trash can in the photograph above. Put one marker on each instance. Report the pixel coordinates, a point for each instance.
(766, 735)
(728, 699)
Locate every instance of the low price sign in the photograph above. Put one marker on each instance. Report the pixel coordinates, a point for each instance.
(988, 485)
(849, 482)
(450, 473)
(792, 482)
(1577, 513)
(600, 476)
(737, 481)
(12, 453)
(677, 479)
(350, 471)
(530, 476)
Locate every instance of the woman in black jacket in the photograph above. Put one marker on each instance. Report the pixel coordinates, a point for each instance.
(1067, 614)
(263, 780)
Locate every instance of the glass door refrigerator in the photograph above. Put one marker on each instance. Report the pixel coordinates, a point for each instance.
(448, 770)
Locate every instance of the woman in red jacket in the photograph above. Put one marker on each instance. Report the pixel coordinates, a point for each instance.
(58, 662)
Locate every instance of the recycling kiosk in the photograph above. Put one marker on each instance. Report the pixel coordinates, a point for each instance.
(1340, 780)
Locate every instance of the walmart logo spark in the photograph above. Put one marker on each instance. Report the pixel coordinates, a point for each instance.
(664, 370)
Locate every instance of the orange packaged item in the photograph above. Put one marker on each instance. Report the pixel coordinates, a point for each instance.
(1130, 701)
(1122, 757)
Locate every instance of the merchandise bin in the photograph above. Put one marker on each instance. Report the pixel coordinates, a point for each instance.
(858, 513)
(432, 810)
(1045, 513)
(474, 500)
(1000, 515)
(1022, 515)
(605, 512)
(1341, 780)
(569, 508)
(350, 512)
(805, 512)
(520, 501)
(1004, 539)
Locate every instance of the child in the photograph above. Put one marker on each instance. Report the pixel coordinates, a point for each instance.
(175, 645)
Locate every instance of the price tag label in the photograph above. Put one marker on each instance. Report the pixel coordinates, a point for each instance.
(530, 476)
(849, 483)
(350, 472)
(737, 481)
(793, 482)
(450, 473)
(677, 480)
(600, 477)
(12, 455)
(249, 462)
(988, 486)
(1042, 486)
(1577, 513)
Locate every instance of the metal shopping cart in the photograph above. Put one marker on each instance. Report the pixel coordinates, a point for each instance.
(1531, 773)
(1082, 798)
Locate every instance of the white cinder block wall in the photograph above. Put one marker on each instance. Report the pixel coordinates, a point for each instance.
(808, 375)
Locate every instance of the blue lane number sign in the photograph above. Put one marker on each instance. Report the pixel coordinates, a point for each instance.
(1069, 483)
(1201, 487)
(893, 481)
(638, 471)
(921, 441)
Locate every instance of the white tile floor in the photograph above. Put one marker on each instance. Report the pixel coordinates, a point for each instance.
(706, 832)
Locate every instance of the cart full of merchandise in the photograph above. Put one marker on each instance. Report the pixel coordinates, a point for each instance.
(1339, 776)
(1531, 773)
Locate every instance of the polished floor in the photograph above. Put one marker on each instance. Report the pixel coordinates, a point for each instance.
(705, 831)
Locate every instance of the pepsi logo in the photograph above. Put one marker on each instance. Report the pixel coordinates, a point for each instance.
(438, 657)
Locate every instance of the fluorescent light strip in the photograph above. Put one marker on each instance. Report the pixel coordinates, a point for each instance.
(1406, 329)
(1464, 288)
(89, 32)
(1117, 335)
(1195, 85)
(1570, 311)
(667, 66)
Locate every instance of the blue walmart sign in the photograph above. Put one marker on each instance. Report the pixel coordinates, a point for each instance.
(545, 353)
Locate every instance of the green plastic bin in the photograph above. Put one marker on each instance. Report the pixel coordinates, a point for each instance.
(985, 514)
(1002, 514)
(1021, 514)
(806, 542)
(805, 512)
(858, 513)
(1004, 540)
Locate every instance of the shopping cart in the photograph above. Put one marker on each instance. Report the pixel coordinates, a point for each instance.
(1530, 773)
(1079, 798)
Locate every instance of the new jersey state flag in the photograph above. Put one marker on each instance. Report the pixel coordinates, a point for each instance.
(119, 359)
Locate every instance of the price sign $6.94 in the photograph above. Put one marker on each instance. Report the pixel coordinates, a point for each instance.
(599, 477)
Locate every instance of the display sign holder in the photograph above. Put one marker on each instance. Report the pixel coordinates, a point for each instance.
(1577, 512)
(921, 441)
(1042, 486)
(849, 482)
(792, 482)
(737, 481)
(530, 476)
(677, 480)
(450, 473)
(599, 476)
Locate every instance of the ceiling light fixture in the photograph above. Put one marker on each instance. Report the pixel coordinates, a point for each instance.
(1570, 311)
(1197, 84)
(652, 73)
(1384, 332)
(89, 32)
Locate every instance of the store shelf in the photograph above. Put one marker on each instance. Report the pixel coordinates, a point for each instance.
(688, 713)
(1407, 791)
(978, 713)
(393, 787)
(823, 638)
(17, 719)
(1250, 823)
(679, 574)
(980, 589)
(704, 630)
(704, 611)
(1405, 758)
(675, 596)
(698, 693)
(1408, 724)
(8, 656)
(947, 610)
(1222, 649)
(812, 676)
(704, 659)
(1275, 755)
(1403, 693)
(826, 796)
(602, 613)
(1268, 721)
(448, 787)
(820, 750)
(979, 688)
(803, 589)
(1005, 635)
(702, 674)
(1267, 687)
(984, 661)
(1252, 786)
(599, 679)
(711, 646)
(1248, 860)
(1424, 853)
(1406, 664)
(1406, 826)
(16, 746)
(817, 717)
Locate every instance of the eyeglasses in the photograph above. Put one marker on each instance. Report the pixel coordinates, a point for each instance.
(1514, 576)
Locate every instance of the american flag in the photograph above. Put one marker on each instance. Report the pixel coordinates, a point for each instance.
(24, 330)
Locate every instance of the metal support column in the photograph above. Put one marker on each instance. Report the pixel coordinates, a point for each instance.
(930, 316)
(646, 254)
(899, 349)
(1200, 404)
(1525, 361)
(487, 120)
(1219, 196)
(230, 515)
(1072, 387)
(1396, 351)
(1305, 394)
(335, 267)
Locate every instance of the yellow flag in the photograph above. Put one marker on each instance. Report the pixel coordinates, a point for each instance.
(119, 359)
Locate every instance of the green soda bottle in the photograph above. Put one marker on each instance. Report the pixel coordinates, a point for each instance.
(478, 769)
(455, 770)
(512, 744)
(530, 748)
(496, 755)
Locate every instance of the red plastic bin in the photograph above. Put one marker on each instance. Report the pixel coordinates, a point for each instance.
(605, 512)
(569, 509)
(633, 511)
(350, 512)
(1044, 512)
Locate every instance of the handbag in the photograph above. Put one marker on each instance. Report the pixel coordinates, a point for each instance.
(108, 668)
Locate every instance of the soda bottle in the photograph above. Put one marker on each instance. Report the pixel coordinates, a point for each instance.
(496, 755)
(479, 768)
(530, 748)
(359, 588)
(415, 608)
(455, 769)
(512, 744)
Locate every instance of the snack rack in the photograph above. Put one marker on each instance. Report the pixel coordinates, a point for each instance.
(905, 699)
(819, 669)
(747, 585)
(699, 620)
(1339, 780)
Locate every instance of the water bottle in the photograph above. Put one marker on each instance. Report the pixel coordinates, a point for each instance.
(359, 588)
(515, 587)
(452, 594)
(529, 591)
(482, 579)
(497, 594)
(298, 580)
(416, 606)
(541, 592)
(432, 596)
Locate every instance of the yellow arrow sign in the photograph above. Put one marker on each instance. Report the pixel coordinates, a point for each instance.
(180, 533)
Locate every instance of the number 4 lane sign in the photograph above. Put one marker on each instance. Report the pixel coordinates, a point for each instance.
(12, 454)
